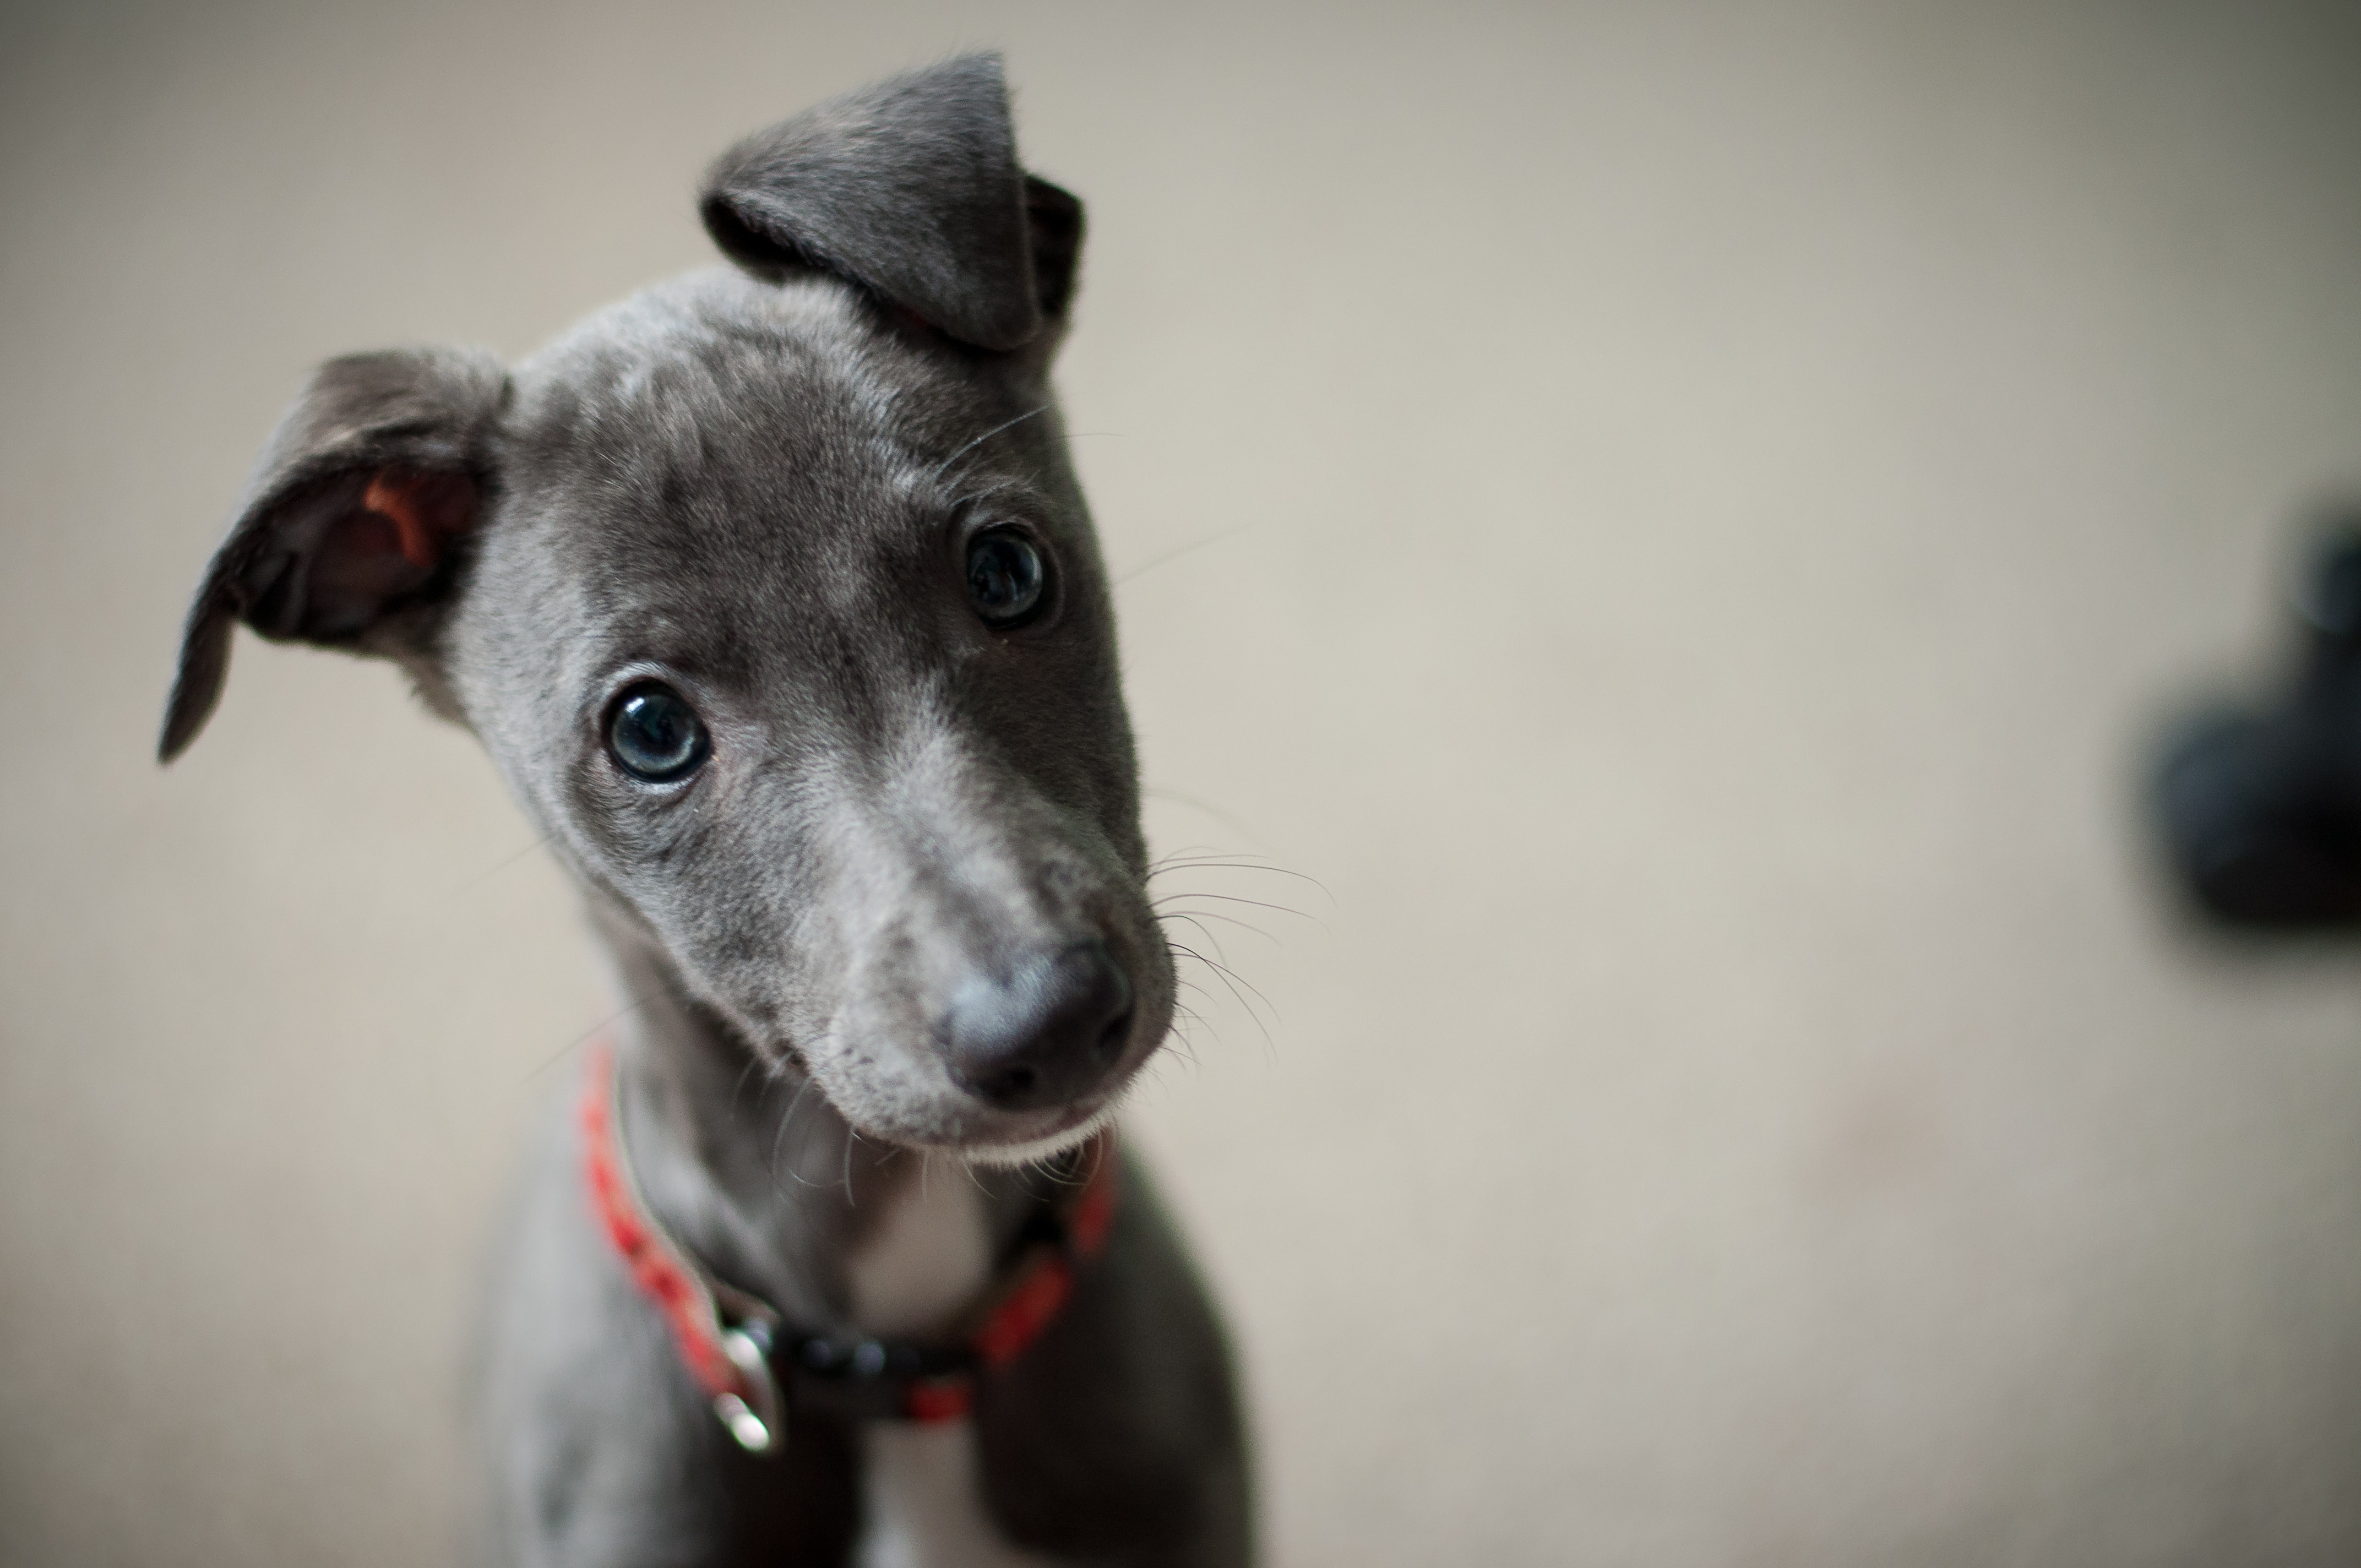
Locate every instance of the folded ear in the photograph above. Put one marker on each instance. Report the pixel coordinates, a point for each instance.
(345, 533)
(911, 188)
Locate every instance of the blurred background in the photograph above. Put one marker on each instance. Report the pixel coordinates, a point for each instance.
(1683, 519)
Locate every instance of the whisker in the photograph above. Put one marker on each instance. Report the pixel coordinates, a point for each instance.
(1232, 981)
(1193, 917)
(779, 1138)
(1234, 898)
(1227, 819)
(1229, 974)
(1178, 863)
(552, 1060)
(987, 435)
(1157, 866)
(1197, 989)
(1185, 549)
(1182, 1042)
(503, 863)
(1201, 927)
(754, 1064)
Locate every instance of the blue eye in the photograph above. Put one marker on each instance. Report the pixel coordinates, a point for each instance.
(656, 736)
(1006, 578)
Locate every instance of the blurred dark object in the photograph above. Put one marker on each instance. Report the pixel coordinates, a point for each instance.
(2260, 807)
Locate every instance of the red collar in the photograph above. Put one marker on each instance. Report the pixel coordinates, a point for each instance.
(737, 1347)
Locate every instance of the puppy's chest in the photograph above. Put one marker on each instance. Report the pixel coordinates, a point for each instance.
(929, 1256)
(922, 1499)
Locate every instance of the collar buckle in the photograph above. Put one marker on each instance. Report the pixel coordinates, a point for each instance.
(754, 1412)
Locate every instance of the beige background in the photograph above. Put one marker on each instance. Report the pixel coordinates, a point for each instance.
(1705, 506)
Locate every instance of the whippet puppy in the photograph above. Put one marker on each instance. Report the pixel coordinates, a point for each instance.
(774, 598)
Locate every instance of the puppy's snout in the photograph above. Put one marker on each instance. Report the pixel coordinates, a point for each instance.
(1045, 1035)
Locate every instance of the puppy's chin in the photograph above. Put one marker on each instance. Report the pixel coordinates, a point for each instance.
(1034, 1150)
(993, 1138)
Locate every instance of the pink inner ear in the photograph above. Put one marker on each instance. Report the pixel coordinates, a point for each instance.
(427, 510)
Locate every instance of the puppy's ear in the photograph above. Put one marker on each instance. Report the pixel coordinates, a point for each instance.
(346, 535)
(911, 188)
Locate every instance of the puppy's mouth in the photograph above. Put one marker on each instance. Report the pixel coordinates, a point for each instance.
(907, 1111)
(982, 1134)
(1068, 1130)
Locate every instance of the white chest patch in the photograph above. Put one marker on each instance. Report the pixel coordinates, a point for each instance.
(927, 1258)
(920, 1496)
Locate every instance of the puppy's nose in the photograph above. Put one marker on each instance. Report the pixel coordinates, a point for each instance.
(1043, 1037)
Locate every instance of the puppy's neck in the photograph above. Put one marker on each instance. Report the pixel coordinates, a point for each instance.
(751, 1167)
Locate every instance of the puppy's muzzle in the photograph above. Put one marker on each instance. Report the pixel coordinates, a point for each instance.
(1046, 1036)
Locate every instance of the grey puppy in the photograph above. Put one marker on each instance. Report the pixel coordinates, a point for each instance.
(772, 596)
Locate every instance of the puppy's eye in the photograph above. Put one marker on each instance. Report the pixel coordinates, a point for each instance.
(1006, 578)
(656, 736)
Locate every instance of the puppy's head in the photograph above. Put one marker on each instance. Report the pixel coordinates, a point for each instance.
(772, 594)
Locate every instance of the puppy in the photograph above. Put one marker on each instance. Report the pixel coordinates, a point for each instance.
(774, 598)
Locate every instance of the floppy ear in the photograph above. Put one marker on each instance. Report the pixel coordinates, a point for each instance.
(345, 533)
(909, 187)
